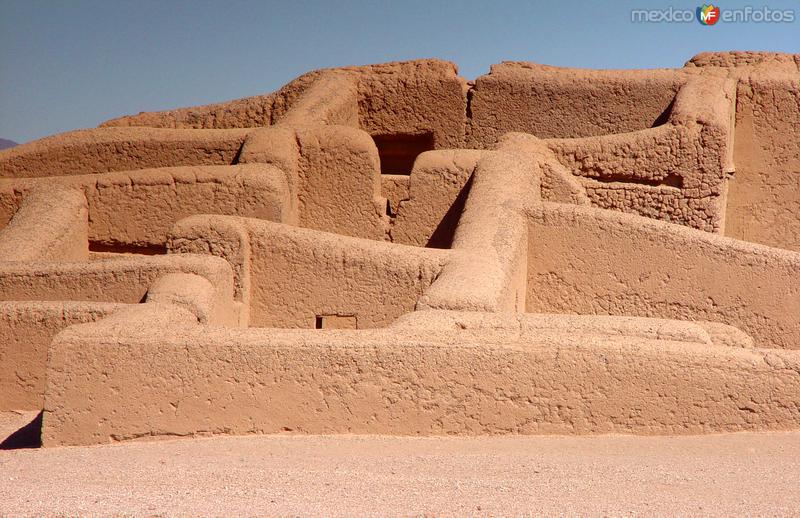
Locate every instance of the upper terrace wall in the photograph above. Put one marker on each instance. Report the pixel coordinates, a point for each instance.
(417, 106)
(764, 195)
(748, 60)
(406, 98)
(600, 262)
(118, 149)
(413, 98)
(427, 97)
(249, 112)
(552, 102)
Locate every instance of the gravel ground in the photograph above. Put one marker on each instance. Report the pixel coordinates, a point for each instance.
(734, 474)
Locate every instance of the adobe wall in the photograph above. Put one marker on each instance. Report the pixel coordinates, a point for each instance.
(412, 98)
(248, 112)
(51, 224)
(314, 159)
(746, 59)
(502, 378)
(437, 192)
(600, 262)
(295, 275)
(557, 183)
(124, 279)
(553, 102)
(423, 287)
(764, 196)
(677, 172)
(137, 208)
(309, 189)
(762, 201)
(488, 266)
(667, 177)
(348, 204)
(118, 149)
(26, 330)
(407, 98)
(394, 187)
(331, 99)
(431, 202)
(568, 105)
(192, 293)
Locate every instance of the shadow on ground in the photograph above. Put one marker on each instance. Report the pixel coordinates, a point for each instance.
(29, 436)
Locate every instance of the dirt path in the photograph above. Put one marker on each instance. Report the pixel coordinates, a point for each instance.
(741, 474)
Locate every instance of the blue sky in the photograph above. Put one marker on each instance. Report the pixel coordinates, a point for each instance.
(72, 64)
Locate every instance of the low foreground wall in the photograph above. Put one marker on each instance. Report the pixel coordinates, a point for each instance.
(26, 330)
(501, 375)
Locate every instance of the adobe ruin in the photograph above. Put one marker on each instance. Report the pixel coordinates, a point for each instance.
(393, 249)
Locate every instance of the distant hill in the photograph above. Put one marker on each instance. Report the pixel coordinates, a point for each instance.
(5, 143)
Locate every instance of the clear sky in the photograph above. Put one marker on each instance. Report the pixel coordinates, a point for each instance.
(72, 64)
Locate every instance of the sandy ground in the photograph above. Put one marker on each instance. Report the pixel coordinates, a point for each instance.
(737, 474)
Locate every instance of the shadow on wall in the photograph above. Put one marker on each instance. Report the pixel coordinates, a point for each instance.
(125, 248)
(442, 237)
(551, 102)
(664, 117)
(398, 152)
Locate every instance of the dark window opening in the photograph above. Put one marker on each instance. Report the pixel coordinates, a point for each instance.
(335, 322)
(671, 180)
(398, 152)
(126, 248)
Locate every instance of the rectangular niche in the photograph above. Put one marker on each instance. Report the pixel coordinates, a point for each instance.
(335, 322)
(398, 152)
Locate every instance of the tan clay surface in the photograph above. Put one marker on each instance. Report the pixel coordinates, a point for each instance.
(393, 249)
(719, 475)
